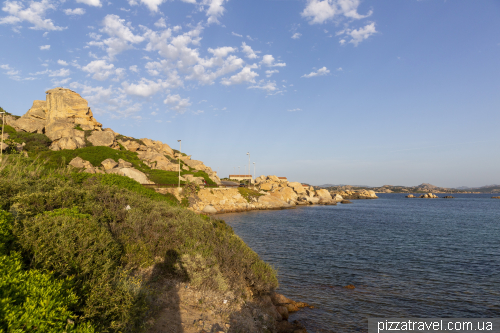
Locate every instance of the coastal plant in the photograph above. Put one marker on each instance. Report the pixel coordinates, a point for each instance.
(32, 299)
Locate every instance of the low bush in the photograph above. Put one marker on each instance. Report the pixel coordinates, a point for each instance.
(33, 300)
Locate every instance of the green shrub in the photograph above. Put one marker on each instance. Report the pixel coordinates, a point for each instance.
(32, 300)
(6, 236)
(35, 301)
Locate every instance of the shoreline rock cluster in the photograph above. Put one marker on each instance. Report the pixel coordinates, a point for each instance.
(268, 192)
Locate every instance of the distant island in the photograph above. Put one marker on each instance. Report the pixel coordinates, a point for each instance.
(422, 188)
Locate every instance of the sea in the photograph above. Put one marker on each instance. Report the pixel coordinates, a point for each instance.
(406, 258)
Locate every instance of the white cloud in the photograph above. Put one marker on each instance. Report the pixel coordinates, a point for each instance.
(269, 73)
(177, 28)
(76, 11)
(161, 23)
(145, 87)
(34, 14)
(268, 60)
(134, 68)
(294, 110)
(358, 35)
(95, 3)
(246, 75)
(235, 34)
(296, 35)
(320, 72)
(151, 4)
(61, 72)
(62, 62)
(45, 47)
(320, 11)
(177, 103)
(101, 70)
(121, 36)
(269, 86)
(250, 54)
(339, 69)
(198, 112)
(215, 10)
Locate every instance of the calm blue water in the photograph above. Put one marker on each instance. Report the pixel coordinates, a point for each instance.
(423, 258)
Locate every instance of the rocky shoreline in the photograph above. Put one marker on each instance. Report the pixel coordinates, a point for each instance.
(268, 192)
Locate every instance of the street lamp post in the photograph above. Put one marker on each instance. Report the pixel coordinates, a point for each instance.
(1, 144)
(254, 170)
(248, 162)
(239, 172)
(180, 150)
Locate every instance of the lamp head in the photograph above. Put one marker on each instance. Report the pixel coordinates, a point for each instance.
(178, 140)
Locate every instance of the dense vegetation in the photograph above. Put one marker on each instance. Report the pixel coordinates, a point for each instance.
(71, 241)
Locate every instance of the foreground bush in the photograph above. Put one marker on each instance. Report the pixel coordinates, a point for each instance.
(79, 226)
(32, 300)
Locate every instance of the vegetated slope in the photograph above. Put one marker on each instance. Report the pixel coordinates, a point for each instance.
(37, 145)
(98, 233)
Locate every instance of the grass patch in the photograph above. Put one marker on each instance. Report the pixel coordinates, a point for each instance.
(249, 194)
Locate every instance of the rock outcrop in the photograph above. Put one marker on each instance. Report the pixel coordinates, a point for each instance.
(428, 196)
(122, 168)
(360, 194)
(58, 117)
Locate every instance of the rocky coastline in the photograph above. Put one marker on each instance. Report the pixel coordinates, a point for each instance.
(268, 192)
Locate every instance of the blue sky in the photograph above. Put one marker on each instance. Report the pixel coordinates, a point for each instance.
(320, 91)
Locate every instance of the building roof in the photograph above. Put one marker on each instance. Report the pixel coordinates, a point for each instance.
(282, 178)
(240, 176)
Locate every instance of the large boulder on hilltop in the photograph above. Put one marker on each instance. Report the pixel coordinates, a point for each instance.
(63, 103)
(297, 187)
(106, 139)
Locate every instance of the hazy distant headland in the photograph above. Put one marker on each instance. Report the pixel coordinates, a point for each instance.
(422, 188)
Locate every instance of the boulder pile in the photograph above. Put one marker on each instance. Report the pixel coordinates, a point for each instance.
(122, 168)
